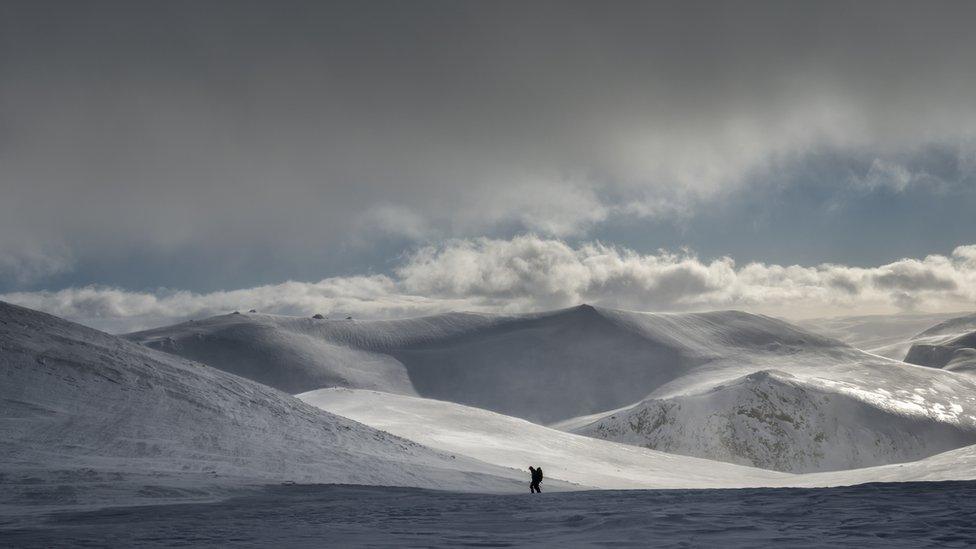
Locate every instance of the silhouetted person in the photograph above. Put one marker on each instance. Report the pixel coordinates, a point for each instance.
(536, 479)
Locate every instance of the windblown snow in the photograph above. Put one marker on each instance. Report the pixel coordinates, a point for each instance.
(888, 335)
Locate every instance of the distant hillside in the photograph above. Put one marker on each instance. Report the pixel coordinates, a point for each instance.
(543, 367)
(774, 420)
(75, 398)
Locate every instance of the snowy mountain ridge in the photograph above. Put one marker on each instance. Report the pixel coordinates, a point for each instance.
(543, 366)
(714, 385)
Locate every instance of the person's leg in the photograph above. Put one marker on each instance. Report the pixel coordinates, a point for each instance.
(532, 487)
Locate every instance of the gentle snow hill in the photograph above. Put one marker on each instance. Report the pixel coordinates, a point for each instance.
(73, 398)
(512, 442)
(544, 367)
(509, 441)
(776, 421)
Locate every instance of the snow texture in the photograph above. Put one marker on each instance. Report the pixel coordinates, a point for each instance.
(902, 515)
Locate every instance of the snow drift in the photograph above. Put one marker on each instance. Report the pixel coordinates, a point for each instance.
(75, 398)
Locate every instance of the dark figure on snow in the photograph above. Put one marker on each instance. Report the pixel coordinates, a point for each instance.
(536, 479)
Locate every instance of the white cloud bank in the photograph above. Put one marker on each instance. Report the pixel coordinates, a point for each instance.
(534, 273)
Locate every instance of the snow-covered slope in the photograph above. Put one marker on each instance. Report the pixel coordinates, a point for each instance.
(950, 345)
(952, 327)
(578, 366)
(886, 335)
(543, 367)
(289, 353)
(957, 354)
(508, 441)
(513, 442)
(773, 420)
(75, 398)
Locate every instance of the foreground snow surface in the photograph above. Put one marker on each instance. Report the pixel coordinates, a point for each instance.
(876, 515)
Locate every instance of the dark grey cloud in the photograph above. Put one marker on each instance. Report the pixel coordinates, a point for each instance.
(188, 142)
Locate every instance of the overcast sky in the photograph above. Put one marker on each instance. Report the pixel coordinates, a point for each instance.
(160, 160)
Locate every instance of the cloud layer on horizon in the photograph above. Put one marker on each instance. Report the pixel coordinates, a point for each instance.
(531, 273)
